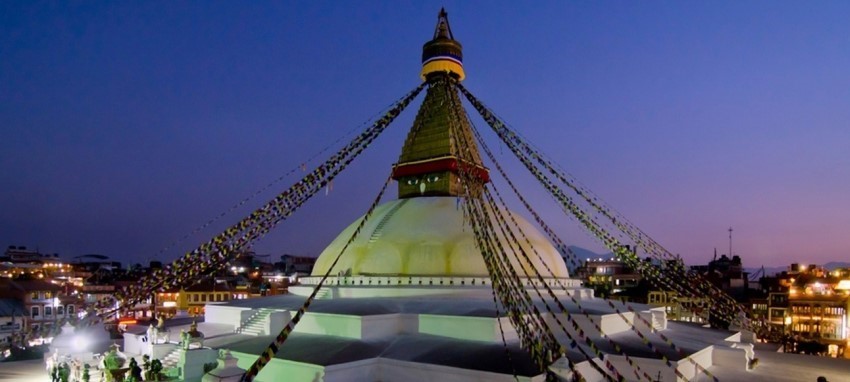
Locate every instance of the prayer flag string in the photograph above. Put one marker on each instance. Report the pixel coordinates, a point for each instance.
(214, 254)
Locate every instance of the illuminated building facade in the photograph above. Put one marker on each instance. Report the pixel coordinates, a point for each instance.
(607, 276)
(818, 311)
(193, 299)
(44, 304)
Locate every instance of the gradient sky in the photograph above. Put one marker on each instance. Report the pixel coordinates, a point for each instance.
(126, 125)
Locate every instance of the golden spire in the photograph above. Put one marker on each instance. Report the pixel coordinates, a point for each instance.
(440, 145)
(443, 54)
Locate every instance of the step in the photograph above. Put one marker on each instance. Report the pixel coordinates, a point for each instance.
(172, 358)
(255, 325)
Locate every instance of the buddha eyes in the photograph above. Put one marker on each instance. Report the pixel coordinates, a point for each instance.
(430, 179)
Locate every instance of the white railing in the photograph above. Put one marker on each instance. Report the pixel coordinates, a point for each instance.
(430, 281)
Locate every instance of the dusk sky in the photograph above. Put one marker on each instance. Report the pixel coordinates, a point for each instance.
(126, 125)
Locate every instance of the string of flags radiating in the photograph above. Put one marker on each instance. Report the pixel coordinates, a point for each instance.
(543, 352)
(274, 347)
(693, 285)
(515, 247)
(559, 243)
(214, 254)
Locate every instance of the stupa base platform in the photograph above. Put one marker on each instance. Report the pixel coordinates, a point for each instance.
(451, 333)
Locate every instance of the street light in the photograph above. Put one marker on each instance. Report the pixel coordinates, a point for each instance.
(786, 336)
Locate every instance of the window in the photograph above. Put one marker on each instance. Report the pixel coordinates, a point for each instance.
(35, 312)
(196, 298)
(203, 298)
(70, 309)
(48, 311)
(34, 296)
(48, 294)
(60, 310)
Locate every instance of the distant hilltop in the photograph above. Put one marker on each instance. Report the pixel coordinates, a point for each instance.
(584, 254)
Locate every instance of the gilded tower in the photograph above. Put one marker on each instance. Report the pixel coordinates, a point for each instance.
(440, 147)
(424, 232)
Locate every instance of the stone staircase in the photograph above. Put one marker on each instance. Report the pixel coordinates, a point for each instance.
(324, 294)
(379, 228)
(171, 359)
(255, 325)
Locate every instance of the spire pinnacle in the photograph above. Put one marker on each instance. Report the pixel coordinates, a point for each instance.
(443, 30)
(443, 54)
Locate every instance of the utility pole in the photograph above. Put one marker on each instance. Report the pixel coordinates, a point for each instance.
(730, 242)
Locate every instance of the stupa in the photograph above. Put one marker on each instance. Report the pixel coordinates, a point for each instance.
(423, 233)
(411, 298)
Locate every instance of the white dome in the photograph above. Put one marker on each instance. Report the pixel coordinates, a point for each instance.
(427, 236)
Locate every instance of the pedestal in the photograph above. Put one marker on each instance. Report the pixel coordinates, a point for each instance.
(192, 361)
(227, 371)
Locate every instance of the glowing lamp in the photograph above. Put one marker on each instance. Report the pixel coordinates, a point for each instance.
(81, 342)
(127, 321)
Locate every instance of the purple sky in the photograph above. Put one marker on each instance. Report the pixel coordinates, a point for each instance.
(123, 126)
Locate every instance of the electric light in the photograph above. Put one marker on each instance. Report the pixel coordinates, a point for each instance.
(81, 342)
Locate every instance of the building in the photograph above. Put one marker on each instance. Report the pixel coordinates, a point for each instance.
(12, 317)
(193, 299)
(679, 308)
(818, 311)
(18, 261)
(44, 303)
(21, 254)
(809, 303)
(607, 276)
(297, 264)
(728, 275)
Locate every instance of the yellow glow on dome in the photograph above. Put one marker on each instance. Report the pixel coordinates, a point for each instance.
(425, 236)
